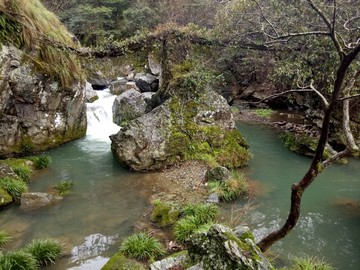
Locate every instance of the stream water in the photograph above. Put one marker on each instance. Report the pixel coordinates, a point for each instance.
(107, 199)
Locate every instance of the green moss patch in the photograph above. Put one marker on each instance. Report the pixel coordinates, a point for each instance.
(164, 213)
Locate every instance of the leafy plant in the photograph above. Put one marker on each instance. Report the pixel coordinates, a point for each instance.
(310, 263)
(14, 187)
(4, 238)
(186, 227)
(142, 247)
(45, 251)
(63, 188)
(18, 260)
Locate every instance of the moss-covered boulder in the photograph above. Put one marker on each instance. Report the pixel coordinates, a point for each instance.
(5, 198)
(196, 128)
(221, 248)
(164, 213)
(120, 262)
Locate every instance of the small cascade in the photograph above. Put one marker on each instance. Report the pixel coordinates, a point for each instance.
(99, 117)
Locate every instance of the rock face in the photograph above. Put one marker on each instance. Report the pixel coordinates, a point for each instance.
(181, 129)
(35, 113)
(36, 200)
(221, 174)
(221, 248)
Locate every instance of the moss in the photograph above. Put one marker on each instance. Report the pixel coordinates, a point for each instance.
(120, 262)
(211, 144)
(164, 213)
(5, 198)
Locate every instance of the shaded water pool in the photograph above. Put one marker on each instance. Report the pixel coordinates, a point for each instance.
(329, 226)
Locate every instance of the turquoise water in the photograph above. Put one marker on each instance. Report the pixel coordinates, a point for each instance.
(327, 228)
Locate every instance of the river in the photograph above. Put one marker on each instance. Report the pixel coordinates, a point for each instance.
(107, 199)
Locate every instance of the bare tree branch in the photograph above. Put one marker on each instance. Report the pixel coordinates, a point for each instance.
(265, 18)
(350, 97)
(289, 36)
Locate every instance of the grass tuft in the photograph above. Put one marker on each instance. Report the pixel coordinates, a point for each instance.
(41, 162)
(18, 260)
(142, 247)
(63, 188)
(45, 251)
(14, 187)
(4, 238)
(310, 263)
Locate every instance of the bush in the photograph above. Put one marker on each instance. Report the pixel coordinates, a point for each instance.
(18, 260)
(41, 162)
(142, 247)
(186, 227)
(4, 238)
(310, 263)
(63, 188)
(14, 187)
(45, 251)
(231, 189)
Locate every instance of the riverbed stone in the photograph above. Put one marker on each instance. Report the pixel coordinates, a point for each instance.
(90, 93)
(118, 87)
(7, 171)
(128, 106)
(120, 262)
(148, 83)
(35, 200)
(180, 258)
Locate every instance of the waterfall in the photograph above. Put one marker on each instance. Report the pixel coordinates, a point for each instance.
(99, 117)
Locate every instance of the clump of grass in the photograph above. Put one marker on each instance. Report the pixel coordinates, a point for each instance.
(45, 251)
(142, 247)
(41, 162)
(203, 212)
(4, 238)
(63, 188)
(264, 112)
(14, 187)
(18, 260)
(196, 217)
(231, 189)
(310, 263)
(23, 171)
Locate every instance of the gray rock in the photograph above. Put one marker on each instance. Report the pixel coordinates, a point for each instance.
(90, 93)
(36, 200)
(142, 145)
(154, 65)
(197, 266)
(7, 171)
(148, 83)
(128, 106)
(35, 112)
(171, 261)
(240, 230)
(131, 85)
(118, 87)
(147, 97)
(221, 174)
(213, 198)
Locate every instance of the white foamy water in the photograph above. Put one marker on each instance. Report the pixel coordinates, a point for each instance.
(99, 117)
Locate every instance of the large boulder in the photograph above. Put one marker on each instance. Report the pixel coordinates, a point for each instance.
(181, 129)
(221, 248)
(128, 106)
(98, 80)
(36, 200)
(147, 83)
(35, 112)
(90, 93)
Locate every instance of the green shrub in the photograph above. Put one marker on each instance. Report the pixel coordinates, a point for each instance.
(310, 263)
(45, 251)
(14, 187)
(41, 162)
(231, 189)
(18, 260)
(142, 247)
(4, 238)
(63, 188)
(23, 171)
